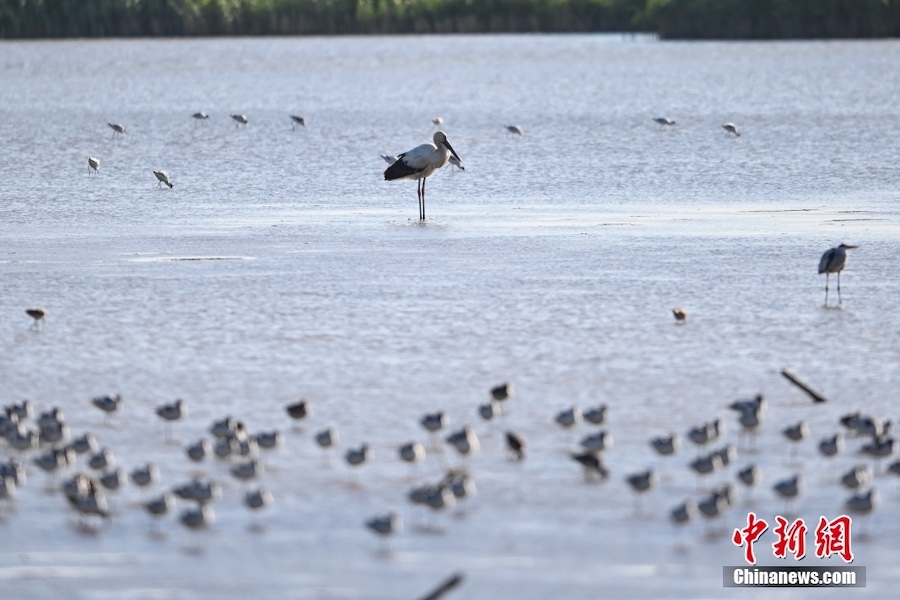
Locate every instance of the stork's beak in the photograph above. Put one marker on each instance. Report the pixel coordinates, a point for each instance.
(452, 151)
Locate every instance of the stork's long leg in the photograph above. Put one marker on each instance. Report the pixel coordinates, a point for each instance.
(839, 288)
(826, 288)
(423, 197)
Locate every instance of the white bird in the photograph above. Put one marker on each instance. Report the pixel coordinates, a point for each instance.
(163, 179)
(295, 120)
(663, 121)
(731, 128)
(419, 163)
(389, 158)
(833, 261)
(240, 120)
(437, 121)
(94, 164)
(117, 129)
(455, 162)
(515, 129)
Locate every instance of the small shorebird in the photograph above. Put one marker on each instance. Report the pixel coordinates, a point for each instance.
(224, 428)
(664, 121)
(144, 476)
(596, 415)
(198, 450)
(833, 261)
(163, 178)
(516, 445)
(298, 411)
(894, 468)
(642, 482)
(258, 498)
(831, 446)
(856, 477)
(706, 464)
(437, 121)
(269, 440)
(102, 460)
(680, 314)
(731, 128)
(161, 505)
(796, 433)
(419, 163)
(489, 410)
(465, 441)
(569, 417)
(863, 503)
(200, 117)
(199, 491)
(108, 404)
(246, 471)
(357, 456)
(704, 433)
(880, 447)
(113, 480)
(456, 163)
(597, 442)
(117, 129)
(38, 313)
(789, 488)
(502, 392)
(750, 475)
(295, 120)
(240, 120)
(21, 410)
(93, 165)
(172, 412)
(198, 518)
(327, 438)
(683, 513)
(84, 444)
(592, 463)
(514, 129)
(413, 452)
(666, 445)
(434, 422)
(385, 525)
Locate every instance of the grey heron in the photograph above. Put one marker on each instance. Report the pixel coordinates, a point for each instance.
(420, 162)
(833, 261)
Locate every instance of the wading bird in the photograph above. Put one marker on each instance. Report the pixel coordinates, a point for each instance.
(37, 313)
(240, 120)
(94, 164)
(514, 129)
(419, 163)
(833, 261)
(163, 179)
(681, 314)
(117, 129)
(731, 128)
(295, 120)
(663, 121)
(199, 116)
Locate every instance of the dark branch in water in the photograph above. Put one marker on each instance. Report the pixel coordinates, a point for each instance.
(816, 396)
(445, 587)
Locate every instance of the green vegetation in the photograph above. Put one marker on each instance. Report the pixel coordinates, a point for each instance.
(755, 19)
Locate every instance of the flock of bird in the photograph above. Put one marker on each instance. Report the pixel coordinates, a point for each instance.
(418, 163)
(46, 442)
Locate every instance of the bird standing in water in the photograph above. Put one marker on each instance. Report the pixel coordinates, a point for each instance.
(420, 162)
(833, 261)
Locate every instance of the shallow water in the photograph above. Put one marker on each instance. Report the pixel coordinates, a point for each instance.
(281, 266)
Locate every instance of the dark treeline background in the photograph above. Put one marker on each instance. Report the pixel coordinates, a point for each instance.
(722, 19)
